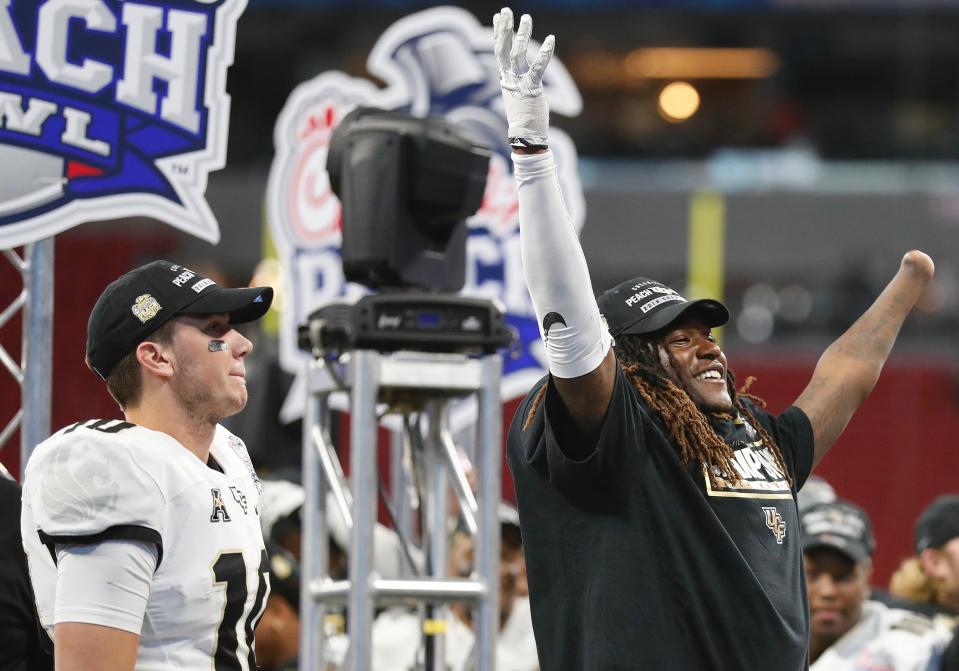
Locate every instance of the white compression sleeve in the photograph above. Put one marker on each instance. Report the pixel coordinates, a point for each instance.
(556, 273)
(107, 583)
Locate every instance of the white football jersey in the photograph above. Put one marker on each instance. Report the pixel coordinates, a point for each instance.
(886, 639)
(108, 479)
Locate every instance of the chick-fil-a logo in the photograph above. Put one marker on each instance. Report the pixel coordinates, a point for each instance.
(436, 62)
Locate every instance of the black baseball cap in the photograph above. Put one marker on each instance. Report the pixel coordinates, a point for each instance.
(939, 523)
(642, 306)
(841, 525)
(138, 303)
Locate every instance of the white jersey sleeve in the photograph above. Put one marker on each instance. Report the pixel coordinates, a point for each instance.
(88, 486)
(886, 639)
(106, 584)
(909, 642)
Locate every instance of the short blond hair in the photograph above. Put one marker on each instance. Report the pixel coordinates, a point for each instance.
(910, 582)
(124, 382)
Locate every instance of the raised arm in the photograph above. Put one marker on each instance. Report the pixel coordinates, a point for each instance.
(849, 368)
(577, 342)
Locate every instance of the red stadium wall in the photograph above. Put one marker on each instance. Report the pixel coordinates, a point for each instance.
(77, 393)
(897, 453)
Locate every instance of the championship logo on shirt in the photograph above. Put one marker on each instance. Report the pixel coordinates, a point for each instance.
(109, 109)
(760, 476)
(436, 62)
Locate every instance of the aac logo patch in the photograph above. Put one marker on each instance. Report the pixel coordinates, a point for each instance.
(219, 513)
(109, 109)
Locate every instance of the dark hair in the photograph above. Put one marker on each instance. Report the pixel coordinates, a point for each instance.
(690, 430)
(124, 382)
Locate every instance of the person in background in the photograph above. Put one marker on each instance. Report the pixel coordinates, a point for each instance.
(929, 580)
(515, 643)
(816, 490)
(848, 630)
(281, 504)
(24, 646)
(277, 635)
(397, 632)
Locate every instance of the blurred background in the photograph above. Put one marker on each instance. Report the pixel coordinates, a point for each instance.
(827, 132)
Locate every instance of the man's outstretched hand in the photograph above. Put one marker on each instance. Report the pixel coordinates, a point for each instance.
(527, 110)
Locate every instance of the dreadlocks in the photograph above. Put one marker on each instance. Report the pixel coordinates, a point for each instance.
(690, 430)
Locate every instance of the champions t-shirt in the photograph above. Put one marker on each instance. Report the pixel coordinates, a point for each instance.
(638, 562)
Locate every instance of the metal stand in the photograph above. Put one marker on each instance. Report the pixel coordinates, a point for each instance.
(413, 384)
(34, 374)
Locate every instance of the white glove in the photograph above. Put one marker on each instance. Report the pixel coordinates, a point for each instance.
(527, 110)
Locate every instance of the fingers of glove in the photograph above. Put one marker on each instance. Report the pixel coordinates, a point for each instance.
(542, 58)
(503, 37)
(518, 54)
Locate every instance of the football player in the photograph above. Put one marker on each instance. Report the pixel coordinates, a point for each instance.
(848, 630)
(143, 536)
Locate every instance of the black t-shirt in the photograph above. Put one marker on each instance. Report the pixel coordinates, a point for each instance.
(950, 658)
(636, 562)
(23, 646)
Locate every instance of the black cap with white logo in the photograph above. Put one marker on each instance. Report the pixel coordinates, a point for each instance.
(642, 306)
(841, 525)
(143, 300)
(939, 523)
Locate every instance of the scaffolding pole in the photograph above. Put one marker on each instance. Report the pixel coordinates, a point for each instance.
(34, 373)
(413, 384)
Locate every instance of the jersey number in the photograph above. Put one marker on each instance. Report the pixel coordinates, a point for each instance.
(229, 569)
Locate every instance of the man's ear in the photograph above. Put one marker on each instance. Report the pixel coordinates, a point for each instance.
(155, 358)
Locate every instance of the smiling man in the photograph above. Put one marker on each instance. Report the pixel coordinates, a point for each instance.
(848, 631)
(657, 503)
(143, 536)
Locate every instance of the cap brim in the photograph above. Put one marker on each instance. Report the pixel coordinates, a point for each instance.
(712, 312)
(852, 549)
(243, 305)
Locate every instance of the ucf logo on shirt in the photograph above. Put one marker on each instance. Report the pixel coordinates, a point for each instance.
(775, 523)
